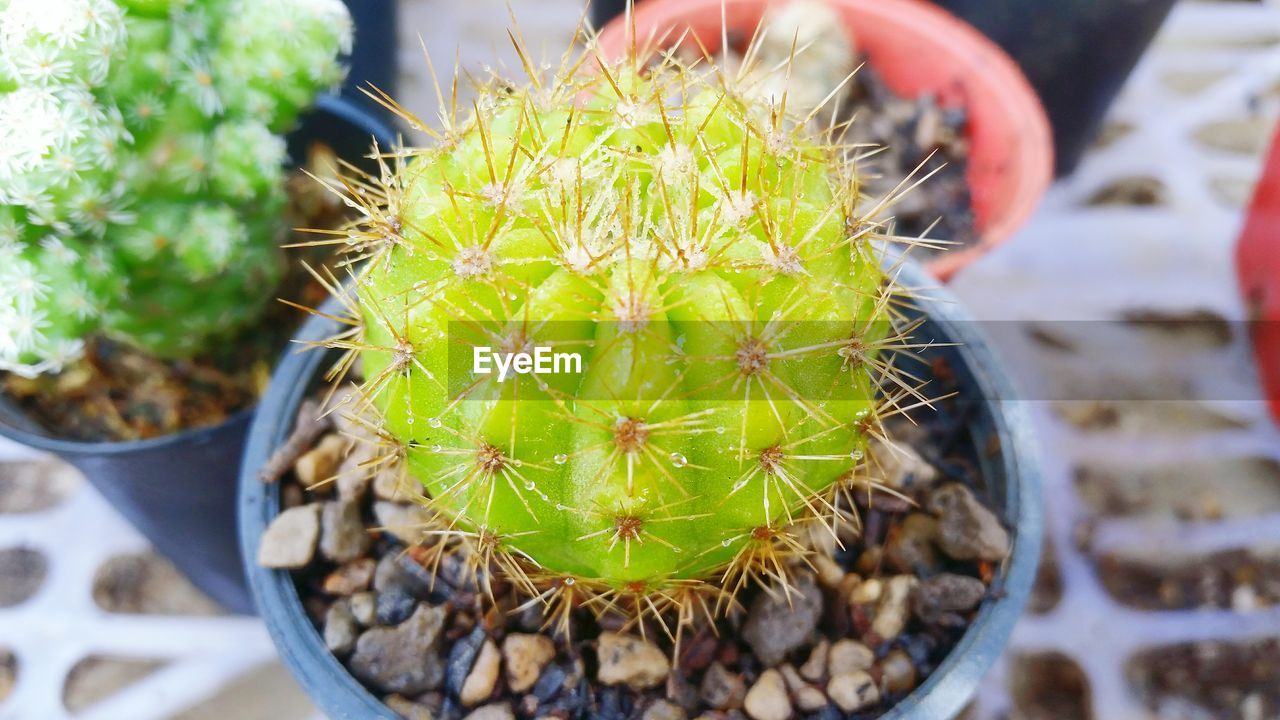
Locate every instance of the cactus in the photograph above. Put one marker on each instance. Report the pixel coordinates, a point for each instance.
(706, 258)
(141, 166)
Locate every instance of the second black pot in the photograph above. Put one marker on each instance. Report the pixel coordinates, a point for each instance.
(998, 432)
(1076, 53)
(179, 490)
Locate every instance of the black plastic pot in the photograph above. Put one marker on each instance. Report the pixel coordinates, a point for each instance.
(998, 422)
(373, 55)
(179, 490)
(1076, 53)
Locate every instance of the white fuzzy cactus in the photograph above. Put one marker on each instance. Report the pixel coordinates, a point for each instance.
(141, 165)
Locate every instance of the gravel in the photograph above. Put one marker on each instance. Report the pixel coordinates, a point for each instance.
(403, 659)
(290, 540)
(342, 533)
(525, 657)
(967, 529)
(340, 629)
(767, 699)
(631, 661)
(874, 619)
(483, 677)
(780, 623)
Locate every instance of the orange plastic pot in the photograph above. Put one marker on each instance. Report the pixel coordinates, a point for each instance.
(917, 48)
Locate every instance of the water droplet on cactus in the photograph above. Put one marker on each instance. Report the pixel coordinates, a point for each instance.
(719, 429)
(434, 422)
(569, 581)
(517, 463)
(436, 448)
(529, 485)
(857, 455)
(679, 460)
(560, 459)
(726, 542)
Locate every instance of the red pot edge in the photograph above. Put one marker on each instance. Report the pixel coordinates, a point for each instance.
(1258, 273)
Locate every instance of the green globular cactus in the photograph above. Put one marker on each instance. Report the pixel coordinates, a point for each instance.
(142, 169)
(704, 256)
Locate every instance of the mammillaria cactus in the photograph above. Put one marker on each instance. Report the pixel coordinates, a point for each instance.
(141, 167)
(694, 274)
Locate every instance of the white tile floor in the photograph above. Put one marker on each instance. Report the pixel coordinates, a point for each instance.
(1071, 262)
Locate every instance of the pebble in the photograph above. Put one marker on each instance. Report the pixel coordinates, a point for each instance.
(404, 659)
(352, 479)
(340, 628)
(364, 608)
(350, 579)
(829, 571)
(967, 530)
(853, 691)
(664, 710)
(526, 655)
(892, 612)
(810, 699)
(768, 698)
(494, 711)
(681, 692)
(290, 540)
(408, 709)
(394, 484)
(394, 606)
(404, 521)
(929, 131)
(342, 534)
(321, 462)
(867, 591)
(899, 674)
(910, 548)
(551, 682)
(901, 467)
(941, 599)
(462, 657)
(777, 625)
(848, 656)
(793, 679)
(815, 668)
(483, 676)
(398, 571)
(722, 689)
(631, 661)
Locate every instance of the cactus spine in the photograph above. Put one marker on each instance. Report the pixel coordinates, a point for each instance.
(141, 165)
(706, 256)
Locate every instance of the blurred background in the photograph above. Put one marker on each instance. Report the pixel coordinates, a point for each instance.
(1159, 594)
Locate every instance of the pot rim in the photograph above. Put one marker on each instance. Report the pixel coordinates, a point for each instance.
(943, 694)
(14, 424)
(976, 54)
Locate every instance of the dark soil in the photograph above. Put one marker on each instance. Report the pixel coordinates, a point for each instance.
(918, 137)
(1228, 680)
